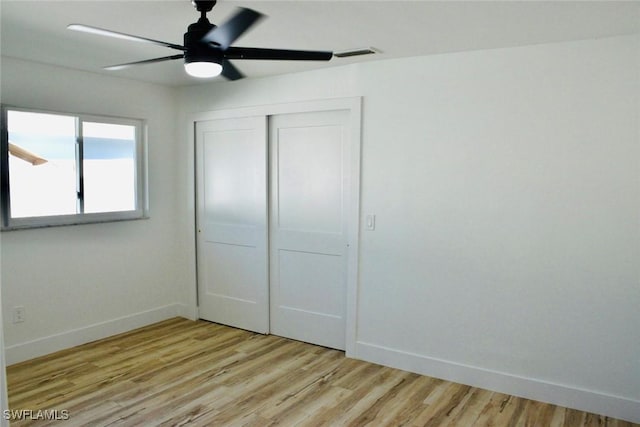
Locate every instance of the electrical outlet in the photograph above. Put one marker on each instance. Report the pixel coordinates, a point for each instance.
(19, 314)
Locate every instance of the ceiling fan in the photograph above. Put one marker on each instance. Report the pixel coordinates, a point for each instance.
(207, 49)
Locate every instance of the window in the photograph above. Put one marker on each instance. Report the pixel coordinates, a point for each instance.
(60, 169)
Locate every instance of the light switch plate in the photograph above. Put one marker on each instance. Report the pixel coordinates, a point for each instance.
(370, 222)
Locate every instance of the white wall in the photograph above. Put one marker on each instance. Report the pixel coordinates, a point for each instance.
(84, 282)
(507, 193)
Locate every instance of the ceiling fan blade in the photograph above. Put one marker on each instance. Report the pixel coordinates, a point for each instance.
(115, 34)
(276, 54)
(230, 71)
(225, 34)
(146, 61)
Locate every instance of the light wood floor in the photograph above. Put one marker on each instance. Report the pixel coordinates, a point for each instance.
(180, 372)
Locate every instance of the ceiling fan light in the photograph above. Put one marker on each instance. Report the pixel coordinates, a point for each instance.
(203, 69)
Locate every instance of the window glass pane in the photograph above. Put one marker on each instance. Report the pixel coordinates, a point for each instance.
(42, 175)
(109, 167)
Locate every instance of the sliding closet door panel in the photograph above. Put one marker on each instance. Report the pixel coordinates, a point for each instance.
(310, 178)
(308, 236)
(232, 222)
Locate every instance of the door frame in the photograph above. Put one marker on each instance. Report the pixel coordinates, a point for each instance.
(351, 104)
(4, 400)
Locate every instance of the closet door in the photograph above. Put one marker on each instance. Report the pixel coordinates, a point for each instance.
(231, 169)
(309, 161)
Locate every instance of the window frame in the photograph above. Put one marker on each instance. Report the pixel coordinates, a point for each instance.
(141, 190)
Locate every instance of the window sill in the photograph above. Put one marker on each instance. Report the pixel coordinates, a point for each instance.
(64, 221)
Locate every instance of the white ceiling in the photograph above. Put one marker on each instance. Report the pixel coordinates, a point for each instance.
(36, 30)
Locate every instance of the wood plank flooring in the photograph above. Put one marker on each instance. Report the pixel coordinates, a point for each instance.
(180, 372)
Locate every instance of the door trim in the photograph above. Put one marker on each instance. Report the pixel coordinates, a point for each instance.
(354, 106)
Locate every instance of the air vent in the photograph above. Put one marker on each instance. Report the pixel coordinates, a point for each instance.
(356, 52)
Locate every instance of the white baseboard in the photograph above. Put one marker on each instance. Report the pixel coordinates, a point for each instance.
(39, 347)
(557, 394)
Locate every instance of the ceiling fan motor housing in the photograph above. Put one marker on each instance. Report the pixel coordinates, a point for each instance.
(196, 49)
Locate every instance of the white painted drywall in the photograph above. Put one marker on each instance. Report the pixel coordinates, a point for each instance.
(82, 282)
(506, 190)
(505, 185)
